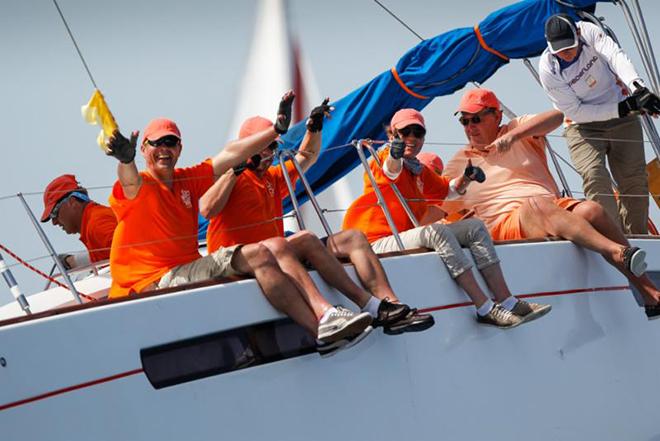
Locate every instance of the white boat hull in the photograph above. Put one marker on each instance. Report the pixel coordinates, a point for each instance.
(586, 371)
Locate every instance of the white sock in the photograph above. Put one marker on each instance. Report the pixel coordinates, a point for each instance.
(327, 313)
(485, 308)
(509, 303)
(372, 306)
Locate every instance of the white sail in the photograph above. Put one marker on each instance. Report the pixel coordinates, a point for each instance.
(276, 64)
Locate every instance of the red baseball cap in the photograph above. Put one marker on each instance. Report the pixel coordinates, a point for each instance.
(476, 100)
(432, 161)
(407, 117)
(160, 127)
(254, 125)
(56, 191)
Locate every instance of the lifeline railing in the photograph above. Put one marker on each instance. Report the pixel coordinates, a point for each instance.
(9, 278)
(282, 155)
(382, 203)
(369, 146)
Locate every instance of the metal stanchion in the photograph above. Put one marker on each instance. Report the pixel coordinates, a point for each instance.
(381, 200)
(282, 155)
(50, 249)
(13, 287)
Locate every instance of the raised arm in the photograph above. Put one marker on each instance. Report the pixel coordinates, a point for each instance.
(241, 149)
(311, 144)
(216, 197)
(538, 125)
(393, 164)
(124, 150)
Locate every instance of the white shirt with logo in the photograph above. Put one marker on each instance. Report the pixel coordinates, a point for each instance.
(588, 90)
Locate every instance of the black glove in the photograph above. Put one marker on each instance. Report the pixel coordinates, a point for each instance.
(240, 168)
(315, 121)
(253, 162)
(648, 102)
(121, 148)
(475, 173)
(642, 100)
(397, 147)
(283, 119)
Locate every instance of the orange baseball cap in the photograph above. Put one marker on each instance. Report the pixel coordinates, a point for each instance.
(432, 161)
(254, 125)
(407, 117)
(56, 191)
(476, 100)
(160, 127)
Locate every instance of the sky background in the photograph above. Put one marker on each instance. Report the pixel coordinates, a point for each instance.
(184, 60)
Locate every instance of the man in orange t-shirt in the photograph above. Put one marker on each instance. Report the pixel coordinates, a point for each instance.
(520, 198)
(67, 204)
(155, 243)
(245, 206)
(421, 186)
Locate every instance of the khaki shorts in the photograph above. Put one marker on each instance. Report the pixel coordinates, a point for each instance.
(216, 264)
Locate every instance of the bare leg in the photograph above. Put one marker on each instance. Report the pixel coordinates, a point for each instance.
(255, 259)
(495, 280)
(354, 245)
(585, 226)
(469, 284)
(595, 215)
(310, 248)
(299, 276)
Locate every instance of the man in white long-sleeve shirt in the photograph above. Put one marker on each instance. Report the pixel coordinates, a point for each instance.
(587, 76)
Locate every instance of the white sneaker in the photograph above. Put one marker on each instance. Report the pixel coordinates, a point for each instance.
(326, 350)
(342, 323)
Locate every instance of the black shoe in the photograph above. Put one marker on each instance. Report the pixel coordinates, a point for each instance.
(412, 322)
(652, 311)
(389, 313)
(633, 260)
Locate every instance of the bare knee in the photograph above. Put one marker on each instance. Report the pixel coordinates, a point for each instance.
(256, 256)
(304, 241)
(591, 211)
(347, 241)
(277, 246)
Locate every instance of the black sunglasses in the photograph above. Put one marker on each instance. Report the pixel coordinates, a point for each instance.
(273, 145)
(56, 209)
(165, 141)
(415, 130)
(476, 119)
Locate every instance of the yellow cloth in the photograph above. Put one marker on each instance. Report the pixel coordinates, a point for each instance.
(96, 112)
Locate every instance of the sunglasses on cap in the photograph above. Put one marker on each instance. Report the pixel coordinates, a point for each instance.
(165, 141)
(415, 130)
(476, 119)
(56, 209)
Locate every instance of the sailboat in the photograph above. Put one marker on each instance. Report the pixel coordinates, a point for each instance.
(214, 360)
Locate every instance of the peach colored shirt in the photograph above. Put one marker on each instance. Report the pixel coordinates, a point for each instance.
(511, 177)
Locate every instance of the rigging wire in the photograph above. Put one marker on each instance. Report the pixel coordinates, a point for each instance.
(399, 20)
(89, 73)
(41, 273)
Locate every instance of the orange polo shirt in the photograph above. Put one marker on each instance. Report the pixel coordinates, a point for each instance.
(156, 230)
(365, 215)
(96, 229)
(511, 177)
(249, 214)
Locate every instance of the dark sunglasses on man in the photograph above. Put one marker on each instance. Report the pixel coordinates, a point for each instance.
(165, 141)
(476, 119)
(416, 130)
(56, 209)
